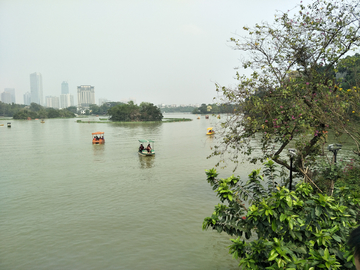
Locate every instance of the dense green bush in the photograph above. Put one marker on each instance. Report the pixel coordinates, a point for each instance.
(342, 173)
(283, 229)
(131, 112)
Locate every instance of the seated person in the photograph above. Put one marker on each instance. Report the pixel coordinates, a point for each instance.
(148, 148)
(141, 148)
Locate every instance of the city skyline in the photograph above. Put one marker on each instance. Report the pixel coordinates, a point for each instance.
(171, 52)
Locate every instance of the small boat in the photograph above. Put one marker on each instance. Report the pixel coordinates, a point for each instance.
(148, 150)
(210, 131)
(98, 137)
(8, 124)
(42, 121)
(206, 117)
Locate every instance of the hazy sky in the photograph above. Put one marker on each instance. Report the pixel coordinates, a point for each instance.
(159, 51)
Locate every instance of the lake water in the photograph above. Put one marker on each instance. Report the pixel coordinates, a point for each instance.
(68, 204)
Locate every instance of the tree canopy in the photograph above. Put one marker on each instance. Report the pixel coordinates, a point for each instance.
(292, 96)
(37, 111)
(131, 112)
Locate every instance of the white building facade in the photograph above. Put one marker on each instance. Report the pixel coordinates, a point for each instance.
(85, 95)
(52, 102)
(66, 100)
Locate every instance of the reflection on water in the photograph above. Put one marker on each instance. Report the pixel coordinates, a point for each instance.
(146, 161)
(98, 149)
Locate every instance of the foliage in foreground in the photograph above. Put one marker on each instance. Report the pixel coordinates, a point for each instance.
(284, 229)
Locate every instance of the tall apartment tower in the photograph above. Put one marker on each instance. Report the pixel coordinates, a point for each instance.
(64, 88)
(12, 93)
(66, 100)
(27, 98)
(36, 88)
(86, 96)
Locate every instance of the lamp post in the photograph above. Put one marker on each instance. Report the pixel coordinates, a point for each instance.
(334, 148)
(292, 154)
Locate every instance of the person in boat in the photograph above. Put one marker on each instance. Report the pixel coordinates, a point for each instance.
(141, 148)
(148, 148)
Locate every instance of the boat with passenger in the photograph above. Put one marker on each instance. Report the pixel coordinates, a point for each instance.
(98, 137)
(9, 124)
(147, 150)
(210, 131)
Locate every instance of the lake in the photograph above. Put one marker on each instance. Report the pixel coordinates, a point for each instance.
(68, 204)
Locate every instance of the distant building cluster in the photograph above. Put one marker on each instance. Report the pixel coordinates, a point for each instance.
(8, 96)
(85, 94)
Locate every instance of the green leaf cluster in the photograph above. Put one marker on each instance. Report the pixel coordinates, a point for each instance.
(275, 228)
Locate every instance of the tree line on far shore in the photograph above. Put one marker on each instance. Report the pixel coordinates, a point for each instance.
(34, 111)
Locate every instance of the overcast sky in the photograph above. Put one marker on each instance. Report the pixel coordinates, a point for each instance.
(159, 51)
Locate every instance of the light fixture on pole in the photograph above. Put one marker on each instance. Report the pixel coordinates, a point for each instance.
(292, 154)
(334, 148)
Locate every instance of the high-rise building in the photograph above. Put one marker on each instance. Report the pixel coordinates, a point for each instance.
(6, 97)
(64, 88)
(12, 93)
(36, 88)
(52, 102)
(27, 98)
(86, 96)
(66, 100)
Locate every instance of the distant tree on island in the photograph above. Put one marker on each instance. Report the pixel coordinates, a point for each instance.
(37, 111)
(179, 109)
(349, 71)
(214, 109)
(131, 112)
(103, 109)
